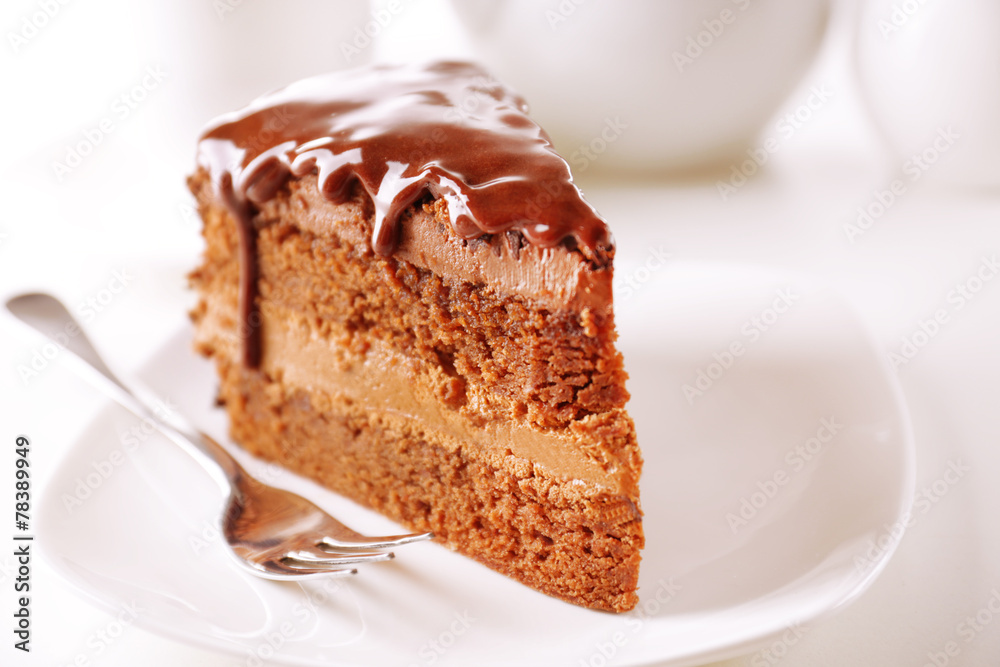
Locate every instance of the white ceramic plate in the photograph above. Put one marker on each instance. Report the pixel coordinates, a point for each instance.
(772, 499)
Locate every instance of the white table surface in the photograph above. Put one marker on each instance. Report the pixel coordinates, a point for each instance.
(125, 209)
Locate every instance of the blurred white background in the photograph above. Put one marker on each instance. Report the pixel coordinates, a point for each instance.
(856, 142)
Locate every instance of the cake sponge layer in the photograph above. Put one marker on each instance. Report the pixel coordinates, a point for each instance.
(510, 518)
(493, 367)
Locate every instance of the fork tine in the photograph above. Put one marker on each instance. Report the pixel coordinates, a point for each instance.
(331, 559)
(360, 543)
(279, 570)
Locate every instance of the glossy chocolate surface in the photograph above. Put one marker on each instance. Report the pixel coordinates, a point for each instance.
(446, 128)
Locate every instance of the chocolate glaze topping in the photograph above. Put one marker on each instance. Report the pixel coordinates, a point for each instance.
(447, 129)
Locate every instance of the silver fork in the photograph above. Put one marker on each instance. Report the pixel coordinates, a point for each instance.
(273, 533)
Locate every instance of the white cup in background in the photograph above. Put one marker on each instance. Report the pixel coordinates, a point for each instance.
(638, 85)
(930, 76)
(220, 55)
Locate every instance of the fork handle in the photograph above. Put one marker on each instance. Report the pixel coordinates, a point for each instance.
(46, 315)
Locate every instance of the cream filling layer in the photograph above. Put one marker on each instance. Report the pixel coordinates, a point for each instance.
(554, 278)
(388, 383)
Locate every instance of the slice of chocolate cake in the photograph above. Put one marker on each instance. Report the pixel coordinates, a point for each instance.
(409, 301)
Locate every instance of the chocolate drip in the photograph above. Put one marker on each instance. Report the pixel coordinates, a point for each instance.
(249, 314)
(401, 132)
